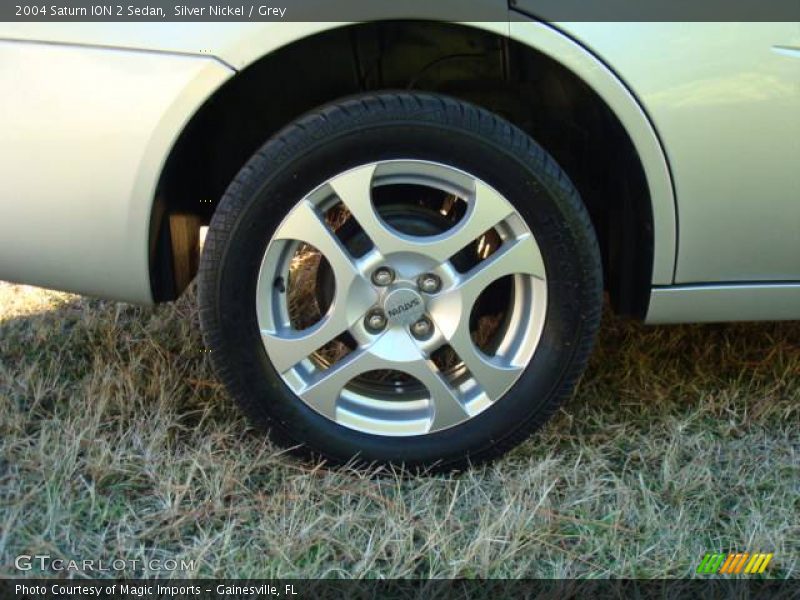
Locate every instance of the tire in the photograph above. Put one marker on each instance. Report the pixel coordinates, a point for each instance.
(410, 394)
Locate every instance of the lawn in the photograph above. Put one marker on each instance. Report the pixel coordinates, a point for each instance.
(117, 442)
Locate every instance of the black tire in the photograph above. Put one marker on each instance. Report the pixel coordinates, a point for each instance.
(383, 126)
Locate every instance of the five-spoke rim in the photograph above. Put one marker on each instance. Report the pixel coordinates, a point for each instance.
(401, 301)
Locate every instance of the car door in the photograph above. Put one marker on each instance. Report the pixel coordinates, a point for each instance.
(725, 101)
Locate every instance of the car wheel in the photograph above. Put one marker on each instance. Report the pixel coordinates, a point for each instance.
(401, 279)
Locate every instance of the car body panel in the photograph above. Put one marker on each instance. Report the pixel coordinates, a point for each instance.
(619, 99)
(725, 100)
(85, 134)
(236, 43)
(731, 302)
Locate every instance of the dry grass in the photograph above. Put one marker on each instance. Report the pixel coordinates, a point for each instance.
(116, 442)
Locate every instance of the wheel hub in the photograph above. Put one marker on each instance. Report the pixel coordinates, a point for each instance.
(403, 306)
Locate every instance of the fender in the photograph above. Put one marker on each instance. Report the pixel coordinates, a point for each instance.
(546, 39)
(625, 106)
(241, 51)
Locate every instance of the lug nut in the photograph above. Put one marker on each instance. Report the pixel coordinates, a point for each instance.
(375, 320)
(383, 276)
(429, 283)
(422, 329)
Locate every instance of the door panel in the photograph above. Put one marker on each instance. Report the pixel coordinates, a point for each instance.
(725, 100)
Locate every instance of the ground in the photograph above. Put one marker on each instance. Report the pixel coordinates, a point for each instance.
(117, 442)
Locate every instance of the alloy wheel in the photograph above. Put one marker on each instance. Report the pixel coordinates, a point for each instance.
(391, 339)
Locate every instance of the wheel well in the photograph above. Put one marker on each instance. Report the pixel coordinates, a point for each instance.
(528, 88)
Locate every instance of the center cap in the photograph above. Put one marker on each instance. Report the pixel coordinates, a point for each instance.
(403, 306)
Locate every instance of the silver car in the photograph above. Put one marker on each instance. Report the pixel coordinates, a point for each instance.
(403, 230)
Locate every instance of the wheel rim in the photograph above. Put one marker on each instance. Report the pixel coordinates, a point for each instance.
(391, 378)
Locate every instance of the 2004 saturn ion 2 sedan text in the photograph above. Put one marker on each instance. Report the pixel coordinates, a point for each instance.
(411, 223)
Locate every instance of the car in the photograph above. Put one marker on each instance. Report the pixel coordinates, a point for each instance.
(404, 231)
